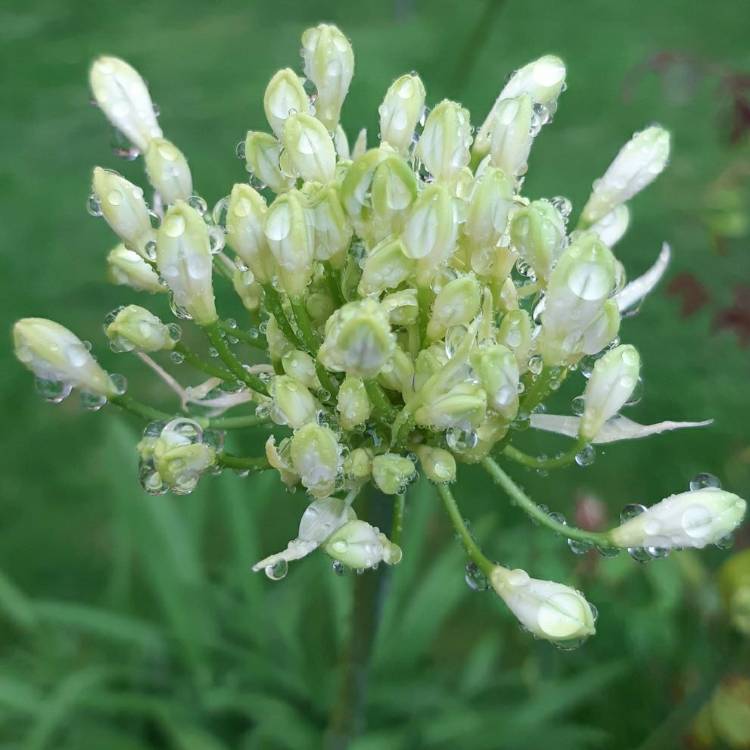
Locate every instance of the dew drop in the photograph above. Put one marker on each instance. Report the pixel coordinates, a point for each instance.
(703, 480)
(631, 511)
(586, 456)
(52, 391)
(93, 206)
(277, 571)
(579, 546)
(475, 579)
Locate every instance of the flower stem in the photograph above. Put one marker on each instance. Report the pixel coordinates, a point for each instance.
(215, 336)
(471, 547)
(538, 514)
(331, 278)
(541, 387)
(140, 410)
(273, 303)
(537, 462)
(312, 343)
(248, 463)
(234, 423)
(424, 304)
(380, 403)
(397, 522)
(257, 342)
(210, 369)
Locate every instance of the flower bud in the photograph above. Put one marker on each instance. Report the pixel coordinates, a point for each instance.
(489, 205)
(329, 64)
(123, 97)
(289, 234)
(546, 609)
(515, 333)
(285, 96)
(333, 232)
(639, 162)
(361, 546)
(444, 144)
(394, 189)
(246, 215)
(401, 307)
(456, 303)
(352, 405)
(320, 307)
(386, 267)
(398, 373)
(128, 268)
(168, 171)
(248, 289)
(281, 460)
(497, 370)
(309, 148)
(262, 159)
(538, 233)
(135, 328)
(438, 465)
(55, 354)
(463, 406)
(358, 339)
(278, 345)
(512, 135)
(358, 465)
(180, 463)
(357, 185)
(613, 225)
(300, 366)
(430, 228)
(184, 259)
(316, 457)
(400, 112)
(611, 384)
(293, 404)
(123, 208)
(689, 519)
(602, 330)
(392, 473)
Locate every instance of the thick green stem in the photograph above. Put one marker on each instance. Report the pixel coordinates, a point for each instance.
(537, 462)
(273, 304)
(539, 514)
(381, 406)
(243, 463)
(312, 343)
(209, 368)
(424, 304)
(141, 410)
(235, 423)
(257, 342)
(228, 357)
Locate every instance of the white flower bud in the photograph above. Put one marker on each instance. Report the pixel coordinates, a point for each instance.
(293, 404)
(329, 64)
(394, 189)
(352, 403)
(515, 333)
(278, 345)
(497, 370)
(400, 111)
(639, 162)
(248, 289)
(512, 135)
(361, 546)
(168, 171)
(179, 459)
(262, 157)
(463, 406)
(316, 457)
(123, 208)
(333, 232)
(55, 354)
(546, 609)
(358, 339)
(392, 473)
(398, 372)
(456, 303)
(489, 205)
(300, 366)
(356, 188)
(358, 465)
(123, 97)
(602, 330)
(689, 519)
(281, 460)
(135, 328)
(401, 307)
(445, 141)
(184, 259)
(538, 233)
(246, 215)
(611, 384)
(386, 267)
(309, 148)
(613, 226)
(285, 96)
(438, 464)
(128, 268)
(290, 236)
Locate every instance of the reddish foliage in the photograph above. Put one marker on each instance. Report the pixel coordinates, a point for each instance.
(690, 291)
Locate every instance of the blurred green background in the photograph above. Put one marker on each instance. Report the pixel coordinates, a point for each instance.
(133, 622)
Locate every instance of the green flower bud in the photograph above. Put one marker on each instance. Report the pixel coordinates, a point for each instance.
(386, 267)
(398, 372)
(262, 158)
(358, 466)
(333, 232)
(392, 473)
(300, 366)
(358, 545)
(512, 135)
(281, 460)
(538, 233)
(123, 208)
(168, 171)
(316, 457)
(358, 339)
(184, 259)
(400, 112)
(401, 307)
(394, 189)
(320, 307)
(487, 214)
(611, 384)
(122, 95)
(438, 465)
(293, 404)
(689, 519)
(456, 303)
(352, 404)
(546, 609)
(640, 161)
(127, 268)
(356, 188)
(246, 215)
(247, 288)
(309, 148)
(278, 345)
(285, 96)
(497, 370)
(134, 327)
(445, 141)
(329, 64)
(55, 354)
(290, 236)
(430, 230)
(602, 330)
(463, 406)
(180, 463)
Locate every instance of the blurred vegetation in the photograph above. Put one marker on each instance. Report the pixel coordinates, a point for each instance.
(133, 622)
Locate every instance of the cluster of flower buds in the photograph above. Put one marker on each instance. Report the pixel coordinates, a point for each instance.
(409, 308)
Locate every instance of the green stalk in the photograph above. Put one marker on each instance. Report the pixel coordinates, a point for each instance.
(424, 305)
(259, 342)
(332, 281)
(234, 423)
(536, 462)
(312, 344)
(243, 462)
(216, 338)
(144, 411)
(272, 300)
(397, 522)
(209, 368)
(379, 401)
(540, 388)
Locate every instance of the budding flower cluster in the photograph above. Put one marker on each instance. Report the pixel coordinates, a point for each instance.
(408, 308)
